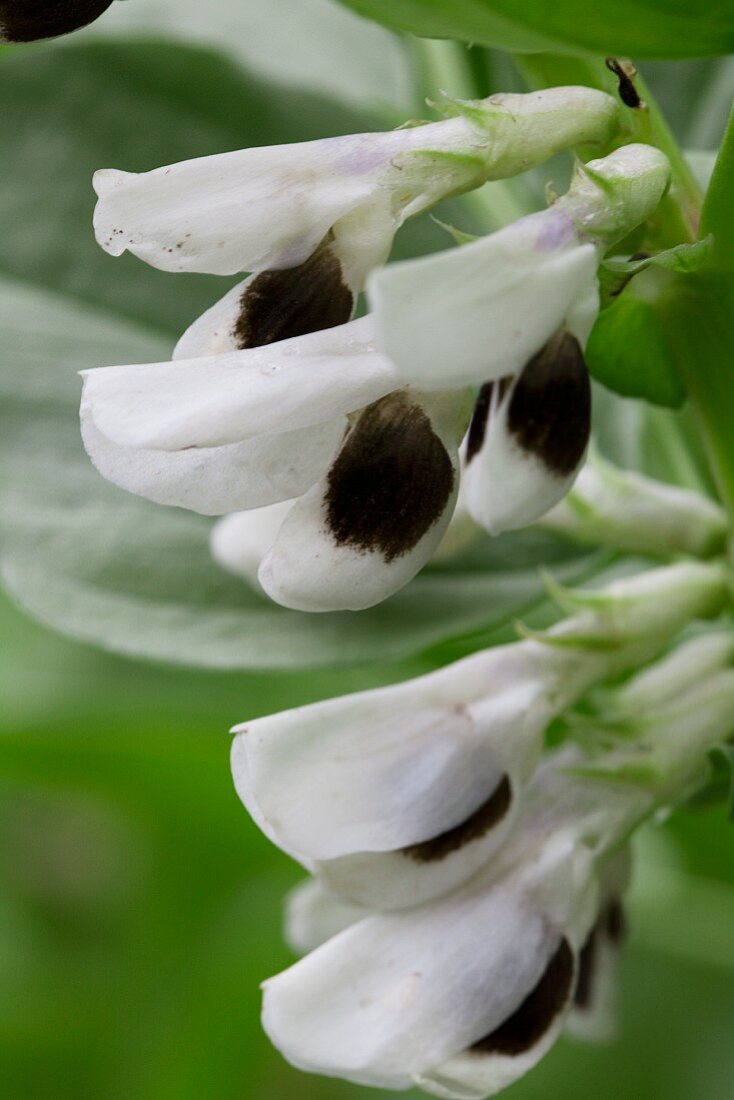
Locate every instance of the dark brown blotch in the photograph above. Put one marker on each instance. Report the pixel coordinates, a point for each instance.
(391, 481)
(480, 416)
(584, 990)
(625, 73)
(549, 413)
(279, 304)
(615, 922)
(531, 1020)
(29, 20)
(489, 814)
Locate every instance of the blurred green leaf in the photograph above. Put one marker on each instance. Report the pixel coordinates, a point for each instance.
(311, 45)
(642, 28)
(160, 103)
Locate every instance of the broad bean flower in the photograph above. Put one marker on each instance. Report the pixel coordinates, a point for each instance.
(463, 995)
(329, 419)
(396, 795)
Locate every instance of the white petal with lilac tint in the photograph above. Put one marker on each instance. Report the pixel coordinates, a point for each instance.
(270, 207)
(480, 312)
(379, 513)
(240, 542)
(265, 208)
(528, 438)
(217, 480)
(206, 402)
(395, 999)
(313, 915)
(477, 313)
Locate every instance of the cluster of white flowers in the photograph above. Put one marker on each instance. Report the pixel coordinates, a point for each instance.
(465, 899)
(465, 903)
(349, 432)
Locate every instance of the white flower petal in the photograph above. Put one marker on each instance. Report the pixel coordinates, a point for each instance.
(528, 438)
(264, 208)
(392, 997)
(241, 211)
(381, 770)
(377, 516)
(420, 872)
(313, 915)
(206, 402)
(239, 542)
(213, 332)
(476, 313)
(216, 480)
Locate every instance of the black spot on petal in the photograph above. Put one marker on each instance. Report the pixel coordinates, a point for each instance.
(480, 417)
(585, 979)
(489, 814)
(531, 1020)
(29, 20)
(615, 922)
(390, 482)
(279, 304)
(550, 409)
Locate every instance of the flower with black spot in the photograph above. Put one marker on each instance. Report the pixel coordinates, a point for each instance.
(397, 795)
(327, 418)
(311, 219)
(463, 995)
(511, 313)
(29, 20)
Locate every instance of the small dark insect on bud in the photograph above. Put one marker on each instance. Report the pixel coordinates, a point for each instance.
(625, 73)
(29, 20)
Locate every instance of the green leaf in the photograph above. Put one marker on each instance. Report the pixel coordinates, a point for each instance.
(628, 352)
(717, 216)
(640, 28)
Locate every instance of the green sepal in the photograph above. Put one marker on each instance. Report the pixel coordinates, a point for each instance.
(601, 643)
(683, 258)
(459, 236)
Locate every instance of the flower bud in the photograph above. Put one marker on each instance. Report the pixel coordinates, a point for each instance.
(623, 509)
